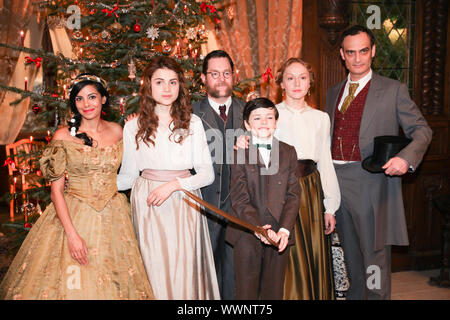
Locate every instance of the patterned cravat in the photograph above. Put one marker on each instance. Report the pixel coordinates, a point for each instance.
(351, 95)
(223, 115)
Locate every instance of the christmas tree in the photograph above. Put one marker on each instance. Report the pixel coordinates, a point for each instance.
(114, 39)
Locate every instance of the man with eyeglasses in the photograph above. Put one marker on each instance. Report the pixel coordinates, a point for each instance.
(220, 112)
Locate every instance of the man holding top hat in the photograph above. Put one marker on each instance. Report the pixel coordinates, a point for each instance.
(366, 110)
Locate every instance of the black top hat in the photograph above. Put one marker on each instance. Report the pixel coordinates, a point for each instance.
(384, 148)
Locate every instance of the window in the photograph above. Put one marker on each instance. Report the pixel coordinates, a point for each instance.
(392, 22)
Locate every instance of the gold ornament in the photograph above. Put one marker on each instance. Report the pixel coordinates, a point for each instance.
(105, 35)
(252, 95)
(116, 27)
(132, 70)
(191, 33)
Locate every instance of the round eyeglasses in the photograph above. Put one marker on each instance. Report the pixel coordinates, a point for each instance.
(216, 74)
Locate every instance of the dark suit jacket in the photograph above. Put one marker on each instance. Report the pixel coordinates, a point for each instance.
(388, 106)
(202, 108)
(253, 193)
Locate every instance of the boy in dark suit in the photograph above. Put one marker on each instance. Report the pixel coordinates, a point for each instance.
(265, 192)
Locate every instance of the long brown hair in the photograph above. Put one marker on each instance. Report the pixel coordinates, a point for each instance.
(180, 110)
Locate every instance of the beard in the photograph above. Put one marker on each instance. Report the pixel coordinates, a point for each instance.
(217, 93)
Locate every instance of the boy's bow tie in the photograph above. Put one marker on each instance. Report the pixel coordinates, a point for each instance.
(264, 145)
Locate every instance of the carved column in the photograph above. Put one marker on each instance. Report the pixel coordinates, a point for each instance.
(440, 29)
(434, 52)
(427, 56)
(332, 19)
(433, 176)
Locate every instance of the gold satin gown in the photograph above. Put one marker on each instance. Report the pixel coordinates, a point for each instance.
(43, 267)
(309, 274)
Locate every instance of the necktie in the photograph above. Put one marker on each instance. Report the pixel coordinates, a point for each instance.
(223, 115)
(351, 95)
(263, 145)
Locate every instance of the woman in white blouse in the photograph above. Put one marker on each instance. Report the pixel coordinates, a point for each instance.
(164, 142)
(309, 274)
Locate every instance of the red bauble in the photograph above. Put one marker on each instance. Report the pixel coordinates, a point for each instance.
(137, 27)
(27, 225)
(36, 109)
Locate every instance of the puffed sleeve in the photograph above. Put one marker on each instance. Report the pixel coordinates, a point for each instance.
(53, 161)
(129, 170)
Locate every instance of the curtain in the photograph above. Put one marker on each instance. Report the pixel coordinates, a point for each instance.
(14, 17)
(260, 34)
(54, 39)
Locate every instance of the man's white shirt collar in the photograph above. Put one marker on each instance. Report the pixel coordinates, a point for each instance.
(216, 105)
(362, 83)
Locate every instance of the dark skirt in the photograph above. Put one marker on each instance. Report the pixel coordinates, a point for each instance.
(309, 274)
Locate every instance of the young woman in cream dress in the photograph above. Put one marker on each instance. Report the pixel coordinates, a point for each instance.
(164, 142)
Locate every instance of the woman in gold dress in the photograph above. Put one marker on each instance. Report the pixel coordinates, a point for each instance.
(83, 246)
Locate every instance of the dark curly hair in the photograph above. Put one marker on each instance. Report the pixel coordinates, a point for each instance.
(180, 111)
(75, 122)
